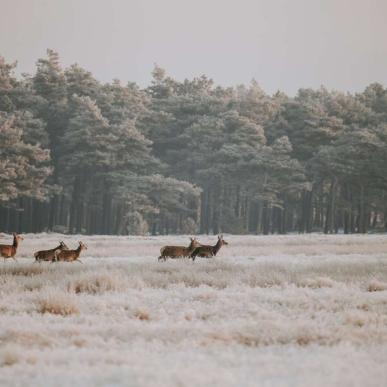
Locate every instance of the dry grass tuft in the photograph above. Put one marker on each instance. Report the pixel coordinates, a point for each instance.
(3, 309)
(317, 283)
(19, 269)
(142, 315)
(57, 304)
(95, 284)
(80, 343)
(33, 284)
(9, 358)
(358, 319)
(25, 338)
(31, 360)
(377, 286)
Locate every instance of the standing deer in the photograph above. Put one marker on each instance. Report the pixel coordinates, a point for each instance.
(70, 255)
(9, 251)
(208, 251)
(178, 251)
(49, 255)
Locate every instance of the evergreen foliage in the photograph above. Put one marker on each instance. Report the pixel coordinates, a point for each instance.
(79, 156)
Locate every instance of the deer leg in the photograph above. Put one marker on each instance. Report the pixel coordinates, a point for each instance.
(14, 259)
(78, 260)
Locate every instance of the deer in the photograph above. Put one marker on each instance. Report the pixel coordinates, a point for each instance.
(178, 251)
(49, 255)
(70, 255)
(9, 251)
(208, 251)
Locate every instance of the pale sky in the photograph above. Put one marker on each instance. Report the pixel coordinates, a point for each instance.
(283, 44)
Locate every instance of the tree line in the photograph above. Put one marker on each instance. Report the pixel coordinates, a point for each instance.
(81, 156)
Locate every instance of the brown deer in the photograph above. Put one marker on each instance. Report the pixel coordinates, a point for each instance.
(208, 251)
(9, 251)
(178, 251)
(49, 255)
(70, 255)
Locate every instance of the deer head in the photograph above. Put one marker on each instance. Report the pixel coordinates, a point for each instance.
(221, 240)
(82, 246)
(17, 237)
(194, 243)
(63, 245)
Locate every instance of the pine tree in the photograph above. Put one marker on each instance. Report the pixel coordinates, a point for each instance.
(23, 167)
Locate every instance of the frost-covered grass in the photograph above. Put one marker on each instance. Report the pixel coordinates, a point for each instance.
(271, 311)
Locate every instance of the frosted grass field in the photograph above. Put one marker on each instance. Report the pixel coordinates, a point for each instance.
(268, 311)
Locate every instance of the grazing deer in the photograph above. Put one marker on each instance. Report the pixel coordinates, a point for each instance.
(49, 255)
(178, 251)
(208, 251)
(9, 251)
(70, 255)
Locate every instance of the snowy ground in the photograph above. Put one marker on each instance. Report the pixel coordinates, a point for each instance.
(268, 311)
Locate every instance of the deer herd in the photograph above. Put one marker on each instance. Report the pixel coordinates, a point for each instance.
(59, 253)
(193, 250)
(64, 254)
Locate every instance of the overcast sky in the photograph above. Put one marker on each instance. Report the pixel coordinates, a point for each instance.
(283, 44)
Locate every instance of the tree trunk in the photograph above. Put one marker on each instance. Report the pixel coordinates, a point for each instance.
(330, 214)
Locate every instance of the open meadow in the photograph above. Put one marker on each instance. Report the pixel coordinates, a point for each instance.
(297, 310)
